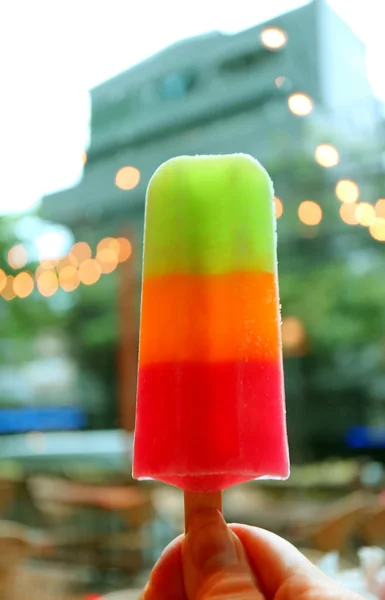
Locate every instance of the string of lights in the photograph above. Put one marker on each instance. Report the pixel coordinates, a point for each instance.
(68, 272)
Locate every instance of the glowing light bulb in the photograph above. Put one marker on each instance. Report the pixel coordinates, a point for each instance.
(273, 38)
(380, 208)
(377, 229)
(23, 285)
(347, 191)
(365, 214)
(17, 257)
(108, 243)
(326, 155)
(69, 260)
(300, 104)
(69, 278)
(293, 333)
(89, 271)
(107, 259)
(278, 207)
(348, 213)
(80, 251)
(47, 283)
(125, 249)
(127, 178)
(310, 212)
(3, 280)
(8, 293)
(48, 264)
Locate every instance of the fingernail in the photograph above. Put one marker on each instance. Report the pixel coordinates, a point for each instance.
(210, 541)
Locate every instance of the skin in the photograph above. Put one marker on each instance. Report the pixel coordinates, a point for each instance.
(214, 561)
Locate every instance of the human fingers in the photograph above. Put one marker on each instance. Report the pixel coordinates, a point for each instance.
(283, 571)
(214, 562)
(166, 578)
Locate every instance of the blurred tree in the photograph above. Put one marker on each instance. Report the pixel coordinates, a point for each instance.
(332, 288)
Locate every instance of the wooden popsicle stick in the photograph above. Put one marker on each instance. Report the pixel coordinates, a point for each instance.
(194, 501)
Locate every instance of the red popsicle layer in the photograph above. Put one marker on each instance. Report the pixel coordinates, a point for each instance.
(199, 395)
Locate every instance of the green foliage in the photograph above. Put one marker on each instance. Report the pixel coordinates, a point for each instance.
(338, 307)
(332, 279)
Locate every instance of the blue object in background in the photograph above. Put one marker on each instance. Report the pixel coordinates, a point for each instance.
(21, 420)
(365, 437)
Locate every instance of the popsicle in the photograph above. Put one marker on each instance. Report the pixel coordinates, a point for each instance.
(210, 402)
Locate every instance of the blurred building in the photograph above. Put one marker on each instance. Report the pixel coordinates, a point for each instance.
(217, 94)
(277, 89)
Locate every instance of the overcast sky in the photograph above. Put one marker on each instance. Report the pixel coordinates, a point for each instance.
(53, 51)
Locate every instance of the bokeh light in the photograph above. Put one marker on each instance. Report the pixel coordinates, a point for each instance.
(84, 157)
(278, 207)
(125, 249)
(377, 229)
(347, 191)
(3, 280)
(327, 155)
(47, 283)
(365, 214)
(300, 104)
(310, 212)
(17, 257)
(107, 259)
(23, 285)
(273, 38)
(8, 292)
(293, 333)
(380, 208)
(108, 243)
(80, 251)
(89, 271)
(127, 178)
(69, 260)
(348, 213)
(41, 269)
(69, 278)
(279, 81)
(48, 264)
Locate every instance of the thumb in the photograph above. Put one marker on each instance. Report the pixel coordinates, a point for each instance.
(214, 562)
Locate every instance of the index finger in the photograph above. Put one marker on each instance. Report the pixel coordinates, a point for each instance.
(279, 566)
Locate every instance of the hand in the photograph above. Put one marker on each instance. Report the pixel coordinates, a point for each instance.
(219, 562)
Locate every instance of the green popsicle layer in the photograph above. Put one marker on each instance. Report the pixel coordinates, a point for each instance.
(209, 215)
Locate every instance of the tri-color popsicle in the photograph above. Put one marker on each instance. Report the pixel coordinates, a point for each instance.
(210, 406)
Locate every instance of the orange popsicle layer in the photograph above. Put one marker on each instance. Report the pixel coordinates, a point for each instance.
(213, 318)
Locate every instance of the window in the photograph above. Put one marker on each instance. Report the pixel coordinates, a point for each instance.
(247, 60)
(176, 85)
